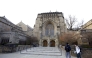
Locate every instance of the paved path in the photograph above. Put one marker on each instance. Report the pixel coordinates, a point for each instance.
(37, 52)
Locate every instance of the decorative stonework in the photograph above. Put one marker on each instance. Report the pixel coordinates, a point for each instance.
(43, 32)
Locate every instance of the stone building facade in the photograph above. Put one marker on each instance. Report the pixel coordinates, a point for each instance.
(87, 25)
(9, 32)
(85, 32)
(47, 28)
(26, 29)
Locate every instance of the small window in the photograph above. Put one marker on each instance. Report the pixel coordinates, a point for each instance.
(4, 40)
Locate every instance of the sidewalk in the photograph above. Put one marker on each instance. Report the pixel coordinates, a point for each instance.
(37, 52)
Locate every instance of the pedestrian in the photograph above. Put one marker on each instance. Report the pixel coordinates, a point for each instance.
(77, 51)
(68, 49)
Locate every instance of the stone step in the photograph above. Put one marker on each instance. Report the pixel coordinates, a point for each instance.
(43, 51)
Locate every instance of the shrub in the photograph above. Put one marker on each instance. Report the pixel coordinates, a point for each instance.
(86, 46)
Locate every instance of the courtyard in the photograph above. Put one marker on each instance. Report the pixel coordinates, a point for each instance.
(37, 52)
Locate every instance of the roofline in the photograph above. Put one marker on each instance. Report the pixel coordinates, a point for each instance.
(50, 13)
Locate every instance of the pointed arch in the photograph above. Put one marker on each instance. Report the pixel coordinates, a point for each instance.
(52, 43)
(46, 23)
(49, 29)
(45, 43)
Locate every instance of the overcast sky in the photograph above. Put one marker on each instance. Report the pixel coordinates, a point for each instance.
(27, 10)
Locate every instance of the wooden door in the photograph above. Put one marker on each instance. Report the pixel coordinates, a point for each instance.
(52, 43)
(45, 43)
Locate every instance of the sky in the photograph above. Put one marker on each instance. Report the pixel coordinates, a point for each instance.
(27, 10)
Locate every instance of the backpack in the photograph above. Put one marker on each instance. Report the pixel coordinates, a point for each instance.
(67, 48)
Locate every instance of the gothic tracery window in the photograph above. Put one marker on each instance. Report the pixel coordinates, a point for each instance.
(49, 29)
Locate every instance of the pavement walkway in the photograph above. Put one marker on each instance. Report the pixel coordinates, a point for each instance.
(37, 52)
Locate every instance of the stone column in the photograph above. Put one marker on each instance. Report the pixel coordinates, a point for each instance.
(56, 43)
(40, 43)
(48, 42)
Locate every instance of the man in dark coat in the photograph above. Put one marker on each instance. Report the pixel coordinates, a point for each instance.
(68, 49)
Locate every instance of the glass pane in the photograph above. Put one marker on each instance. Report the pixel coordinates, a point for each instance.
(49, 29)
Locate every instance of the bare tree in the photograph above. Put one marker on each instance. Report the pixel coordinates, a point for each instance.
(70, 22)
(70, 37)
(31, 40)
(80, 25)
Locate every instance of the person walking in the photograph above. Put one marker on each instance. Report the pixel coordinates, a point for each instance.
(68, 49)
(78, 51)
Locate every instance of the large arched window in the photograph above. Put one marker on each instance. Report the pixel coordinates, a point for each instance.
(49, 29)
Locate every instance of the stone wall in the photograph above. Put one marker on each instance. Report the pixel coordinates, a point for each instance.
(85, 52)
(10, 31)
(7, 49)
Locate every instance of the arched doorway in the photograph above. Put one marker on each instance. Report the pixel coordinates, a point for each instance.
(52, 43)
(45, 43)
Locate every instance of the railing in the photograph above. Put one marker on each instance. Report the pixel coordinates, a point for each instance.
(23, 47)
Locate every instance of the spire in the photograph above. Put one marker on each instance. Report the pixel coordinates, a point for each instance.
(50, 10)
(21, 20)
(4, 16)
(56, 11)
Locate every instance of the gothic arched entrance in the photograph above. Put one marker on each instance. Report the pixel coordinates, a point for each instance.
(45, 43)
(52, 43)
